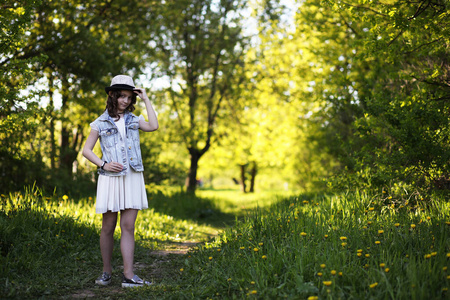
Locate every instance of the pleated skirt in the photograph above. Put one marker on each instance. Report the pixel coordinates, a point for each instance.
(116, 193)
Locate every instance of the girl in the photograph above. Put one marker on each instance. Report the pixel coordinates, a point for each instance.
(120, 182)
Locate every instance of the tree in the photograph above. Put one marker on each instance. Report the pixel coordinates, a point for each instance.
(17, 124)
(200, 51)
(406, 124)
(83, 43)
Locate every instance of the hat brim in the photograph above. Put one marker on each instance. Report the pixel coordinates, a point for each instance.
(119, 87)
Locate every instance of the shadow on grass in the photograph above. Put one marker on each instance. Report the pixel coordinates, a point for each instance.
(181, 205)
(47, 255)
(41, 250)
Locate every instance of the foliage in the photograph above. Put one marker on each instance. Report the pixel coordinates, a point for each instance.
(17, 124)
(383, 77)
(351, 92)
(51, 50)
(200, 53)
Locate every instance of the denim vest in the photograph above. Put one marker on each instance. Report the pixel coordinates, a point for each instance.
(112, 145)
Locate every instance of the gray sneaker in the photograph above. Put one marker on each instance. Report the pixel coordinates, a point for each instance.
(103, 279)
(134, 282)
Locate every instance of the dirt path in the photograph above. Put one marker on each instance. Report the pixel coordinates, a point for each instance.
(161, 269)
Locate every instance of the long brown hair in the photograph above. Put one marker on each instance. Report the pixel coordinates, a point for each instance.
(111, 103)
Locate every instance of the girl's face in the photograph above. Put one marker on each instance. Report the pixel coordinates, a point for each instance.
(124, 100)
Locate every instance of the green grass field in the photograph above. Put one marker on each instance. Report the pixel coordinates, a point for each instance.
(264, 245)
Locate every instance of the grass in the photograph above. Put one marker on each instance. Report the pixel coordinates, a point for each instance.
(350, 246)
(49, 243)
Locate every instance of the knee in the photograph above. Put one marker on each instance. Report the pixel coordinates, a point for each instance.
(127, 226)
(108, 229)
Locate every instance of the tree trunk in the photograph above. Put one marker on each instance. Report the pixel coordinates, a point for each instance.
(65, 155)
(253, 173)
(52, 125)
(243, 185)
(71, 139)
(192, 178)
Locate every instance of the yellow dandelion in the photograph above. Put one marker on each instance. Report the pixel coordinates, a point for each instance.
(366, 266)
(444, 269)
(380, 231)
(359, 250)
(448, 277)
(254, 292)
(382, 265)
(65, 197)
(371, 208)
(377, 242)
(448, 255)
(261, 244)
(322, 266)
(413, 226)
(210, 258)
(319, 274)
(326, 235)
(255, 249)
(359, 254)
(427, 255)
(390, 197)
(344, 244)
(218, 250)
(373, 285)
(343, 238)
(433, 253)
(327, 283)
(242, 248)
(264, 257)
(387, 270)
(229, 279)
(333, 272)
(181, 270)
(367, 255)
(303, 233)
(364, 227)
(340, 274)
(252, 282)
(313, 298)
(428, 218)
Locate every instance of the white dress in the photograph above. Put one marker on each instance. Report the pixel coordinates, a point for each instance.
(115, 193)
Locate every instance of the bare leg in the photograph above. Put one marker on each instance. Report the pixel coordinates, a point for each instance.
(107, 239)
(127, 221)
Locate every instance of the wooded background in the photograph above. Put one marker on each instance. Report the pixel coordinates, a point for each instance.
(275, 94)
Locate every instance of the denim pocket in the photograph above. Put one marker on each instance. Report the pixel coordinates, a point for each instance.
(133, 130)
(109, 137)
